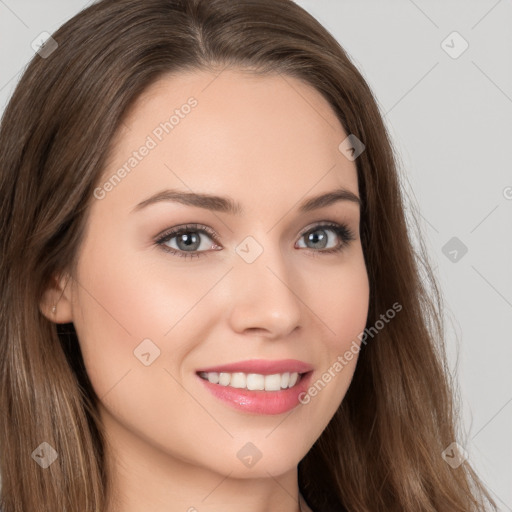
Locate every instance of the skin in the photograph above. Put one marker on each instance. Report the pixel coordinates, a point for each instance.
(268, 142)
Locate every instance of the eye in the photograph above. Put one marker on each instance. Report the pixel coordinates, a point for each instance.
(320, 241)
(185, 241)
(188, 240)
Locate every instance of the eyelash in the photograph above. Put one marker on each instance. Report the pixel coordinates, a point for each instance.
(342, 230)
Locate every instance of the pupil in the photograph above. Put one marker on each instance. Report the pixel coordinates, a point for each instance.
(316, 239)
(188, 240)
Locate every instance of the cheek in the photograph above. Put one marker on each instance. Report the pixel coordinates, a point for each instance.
(135, 293)
(340, 299)
(130, 305)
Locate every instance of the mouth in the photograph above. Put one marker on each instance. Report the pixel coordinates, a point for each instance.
(254, 381)
(257, 393)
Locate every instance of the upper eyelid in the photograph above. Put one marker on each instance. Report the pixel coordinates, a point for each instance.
(175, 231)
(172, 232)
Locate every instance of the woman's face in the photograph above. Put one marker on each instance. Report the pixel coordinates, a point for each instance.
(268, 281)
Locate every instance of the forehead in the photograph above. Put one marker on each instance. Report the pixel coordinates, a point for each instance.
(257, 135)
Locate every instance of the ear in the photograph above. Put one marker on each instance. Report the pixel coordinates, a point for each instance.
(56, 304)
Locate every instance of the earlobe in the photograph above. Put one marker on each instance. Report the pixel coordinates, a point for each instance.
(56, 304)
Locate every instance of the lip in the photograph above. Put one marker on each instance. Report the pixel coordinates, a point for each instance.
(260, 401)
(261, 366)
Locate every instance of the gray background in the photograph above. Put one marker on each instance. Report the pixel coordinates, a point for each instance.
(450, 120)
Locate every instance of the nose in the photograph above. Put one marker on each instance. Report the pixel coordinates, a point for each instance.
(263, 296)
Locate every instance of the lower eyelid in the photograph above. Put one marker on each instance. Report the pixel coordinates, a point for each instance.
(345, 237)
(343, 232)
(163, 240)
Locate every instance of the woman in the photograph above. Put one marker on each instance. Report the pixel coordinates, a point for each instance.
(211, 300)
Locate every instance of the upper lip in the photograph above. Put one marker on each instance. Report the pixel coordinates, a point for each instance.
(261, 366)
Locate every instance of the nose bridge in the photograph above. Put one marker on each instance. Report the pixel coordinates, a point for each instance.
(264, 296)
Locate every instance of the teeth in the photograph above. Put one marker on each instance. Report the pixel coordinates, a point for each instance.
(238, 380)
(253, 381)
(214, 378)
(224, 378)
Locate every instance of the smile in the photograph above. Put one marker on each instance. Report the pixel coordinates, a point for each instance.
(278, 394)
(253, 381)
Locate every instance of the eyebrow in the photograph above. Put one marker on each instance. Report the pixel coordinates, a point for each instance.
(228, 205)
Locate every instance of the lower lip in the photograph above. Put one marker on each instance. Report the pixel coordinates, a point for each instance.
(260, 402)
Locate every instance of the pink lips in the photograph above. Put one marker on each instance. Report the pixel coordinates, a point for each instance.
(261, 366)
(261, 402)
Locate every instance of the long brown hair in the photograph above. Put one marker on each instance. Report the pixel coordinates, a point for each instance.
(382, 451)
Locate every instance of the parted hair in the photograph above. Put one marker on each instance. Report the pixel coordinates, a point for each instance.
(382, 450)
